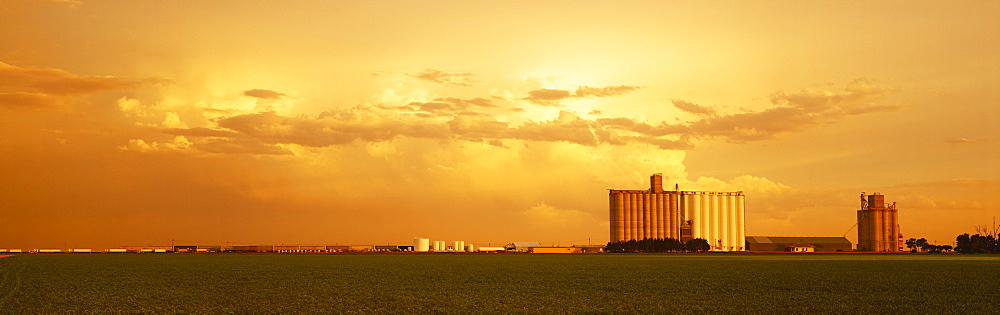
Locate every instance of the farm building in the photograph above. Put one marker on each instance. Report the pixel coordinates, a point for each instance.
(555, 250)
(779, 243)
(591, 248)
(522, 247)
(801, 248)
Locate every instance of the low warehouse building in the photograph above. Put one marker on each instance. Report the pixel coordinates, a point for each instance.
(555, 250)
(780, 243)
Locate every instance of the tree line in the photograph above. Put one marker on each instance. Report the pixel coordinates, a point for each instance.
(657, 245)
(985, 241)
(914, 244)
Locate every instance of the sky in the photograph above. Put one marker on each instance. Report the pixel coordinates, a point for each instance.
(352, 122)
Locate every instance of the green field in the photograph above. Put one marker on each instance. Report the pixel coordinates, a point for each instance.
(501, 282)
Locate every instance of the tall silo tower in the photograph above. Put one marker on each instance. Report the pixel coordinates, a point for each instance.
(878, 225)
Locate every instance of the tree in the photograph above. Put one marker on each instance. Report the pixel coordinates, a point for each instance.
(922, 244)
(697, 245)
(912, 245)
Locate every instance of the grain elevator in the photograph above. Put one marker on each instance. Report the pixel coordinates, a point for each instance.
(717, 217)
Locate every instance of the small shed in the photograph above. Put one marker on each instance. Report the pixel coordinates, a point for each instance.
(801, 248)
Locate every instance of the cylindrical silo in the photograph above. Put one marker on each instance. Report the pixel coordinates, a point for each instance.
(706, 217)
(470, 248)
(661, 220)
(694, 205)
(741, 221)
(651, 217)
(672, 214)
(633, 212)
(421, 244)
(643, 218)
(878, 230)
(734, 242)
(894, 229)
(611, 216)
(711, 211)
(723, 222)
(620, 217)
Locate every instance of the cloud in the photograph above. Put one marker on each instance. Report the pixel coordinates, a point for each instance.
(551, 97)
(586, 91)
(964, 140)
(72, 4)
(263, 94)
(444, 106)
(27, 87)
(58, 82)
(240, 146)
(794, 112)
(139, 145)
(445, 78)
(548, 216)
(693, 108)
(29, 100)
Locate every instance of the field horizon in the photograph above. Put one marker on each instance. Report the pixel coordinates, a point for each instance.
(489, 283)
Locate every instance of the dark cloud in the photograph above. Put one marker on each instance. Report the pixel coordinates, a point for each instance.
(551, 97)
(263, 94)
(445, 78)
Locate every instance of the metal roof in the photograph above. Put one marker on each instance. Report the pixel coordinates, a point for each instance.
(797, 239)
(526, 244)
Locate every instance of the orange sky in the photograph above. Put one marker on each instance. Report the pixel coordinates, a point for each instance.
(326, 122)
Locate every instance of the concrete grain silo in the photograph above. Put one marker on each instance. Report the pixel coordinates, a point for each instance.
(717, 217)
(878, 225)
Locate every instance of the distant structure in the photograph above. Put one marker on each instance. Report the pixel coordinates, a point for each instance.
(717, 217)
(781, 243)
(878, 225)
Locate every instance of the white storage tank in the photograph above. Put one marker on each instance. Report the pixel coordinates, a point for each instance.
(421, 244)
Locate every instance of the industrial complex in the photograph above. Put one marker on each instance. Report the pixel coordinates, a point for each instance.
(717, 217)
(655, 213)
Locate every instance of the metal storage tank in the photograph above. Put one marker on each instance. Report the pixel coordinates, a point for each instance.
(458, 246)
(421, 244)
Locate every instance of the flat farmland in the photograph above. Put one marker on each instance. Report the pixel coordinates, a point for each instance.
(803, 283)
